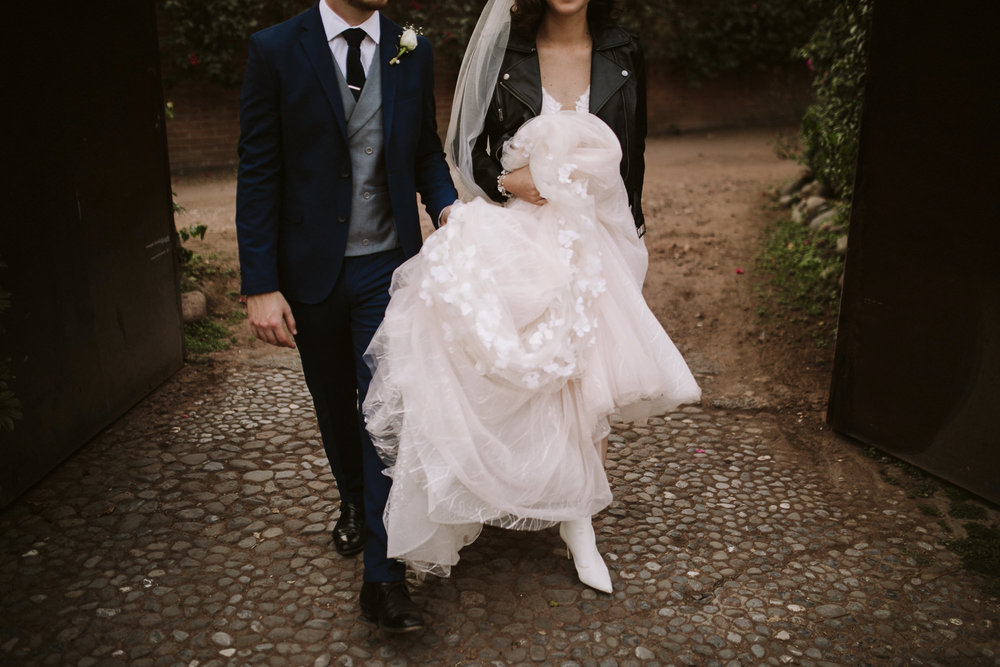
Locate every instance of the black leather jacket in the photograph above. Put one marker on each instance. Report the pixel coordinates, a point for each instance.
(617, 96)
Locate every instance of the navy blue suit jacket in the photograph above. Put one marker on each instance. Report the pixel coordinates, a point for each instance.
(293, 198)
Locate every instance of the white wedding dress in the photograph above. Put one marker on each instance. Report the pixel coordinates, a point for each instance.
(509, 342)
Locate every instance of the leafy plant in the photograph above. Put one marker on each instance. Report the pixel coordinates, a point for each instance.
(207, 38)
(184, 234)
(837, 53)
(980, 552)
(803, 268)
(708, 37)
(206, 336)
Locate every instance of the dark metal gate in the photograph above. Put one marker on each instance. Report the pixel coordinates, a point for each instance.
(86, 226)
(917, 369)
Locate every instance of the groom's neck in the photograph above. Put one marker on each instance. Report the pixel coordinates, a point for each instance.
(349, 11)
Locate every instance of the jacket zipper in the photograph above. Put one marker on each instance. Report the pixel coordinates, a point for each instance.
(628, 138)
(518, 98)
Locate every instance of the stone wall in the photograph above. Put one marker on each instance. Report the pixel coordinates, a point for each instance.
(205, 128)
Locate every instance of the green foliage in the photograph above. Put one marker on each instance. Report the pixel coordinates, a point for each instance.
(206, 336)
(837, 54)
(708, 37)
(186, 255)
(929, 510)
(960, 509)
(207, 38)
(980, 552)
(447, 24)
(195, 231)
(803, 269)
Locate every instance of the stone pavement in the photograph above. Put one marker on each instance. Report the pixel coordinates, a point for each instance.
(195, 531)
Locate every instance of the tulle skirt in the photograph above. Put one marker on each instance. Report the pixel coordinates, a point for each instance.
(508, 344)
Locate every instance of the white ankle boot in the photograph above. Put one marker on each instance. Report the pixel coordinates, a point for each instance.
(581, 546)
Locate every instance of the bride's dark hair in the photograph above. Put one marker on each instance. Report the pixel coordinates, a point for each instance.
(526, 15)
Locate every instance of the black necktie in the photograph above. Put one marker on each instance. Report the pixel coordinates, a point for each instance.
(355, 72)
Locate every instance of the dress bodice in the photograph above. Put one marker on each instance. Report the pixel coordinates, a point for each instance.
(552, 105)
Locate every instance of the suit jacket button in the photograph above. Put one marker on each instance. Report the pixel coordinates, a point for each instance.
(341, 218)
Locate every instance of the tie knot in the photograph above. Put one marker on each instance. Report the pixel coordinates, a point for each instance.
(354, 36)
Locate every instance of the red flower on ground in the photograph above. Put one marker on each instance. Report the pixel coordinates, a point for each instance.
(194, 59)
(739, 272)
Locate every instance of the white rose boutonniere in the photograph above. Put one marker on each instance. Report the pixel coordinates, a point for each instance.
(407, 43)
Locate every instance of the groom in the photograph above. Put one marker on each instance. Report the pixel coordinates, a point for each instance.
(335, 143)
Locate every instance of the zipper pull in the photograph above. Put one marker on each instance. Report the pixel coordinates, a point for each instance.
(500, 113)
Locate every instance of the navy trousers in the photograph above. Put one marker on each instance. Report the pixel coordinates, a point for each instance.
(333, 336)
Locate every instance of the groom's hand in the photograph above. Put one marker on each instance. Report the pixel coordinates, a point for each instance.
(520, 184)
(271, 319)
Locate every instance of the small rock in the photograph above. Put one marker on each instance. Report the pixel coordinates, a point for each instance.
(644, 653)
(842, 245)
(798, 214)
(815, 206)
(824, 221)
(796, 184)
(258, 475)
(831, 611)
(814, 189)
(222, 639)
(194, 306)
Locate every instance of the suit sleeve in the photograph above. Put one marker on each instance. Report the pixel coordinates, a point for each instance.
(637, 175)
(258, 185)
(433, 178)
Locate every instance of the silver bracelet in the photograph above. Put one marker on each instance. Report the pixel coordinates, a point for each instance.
(500, 187)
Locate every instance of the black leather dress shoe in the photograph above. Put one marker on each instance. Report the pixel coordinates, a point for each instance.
(348, 533)
(388, 605)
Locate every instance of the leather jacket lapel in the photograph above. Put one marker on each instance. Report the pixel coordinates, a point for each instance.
(314, 42)
(606, 75)
(521, 76)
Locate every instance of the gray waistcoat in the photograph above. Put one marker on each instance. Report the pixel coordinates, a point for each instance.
(372, 228)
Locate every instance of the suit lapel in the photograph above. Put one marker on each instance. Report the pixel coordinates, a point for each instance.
(388, 43)
(314, 42)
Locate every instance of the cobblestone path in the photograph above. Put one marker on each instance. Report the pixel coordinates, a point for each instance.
(200, 536)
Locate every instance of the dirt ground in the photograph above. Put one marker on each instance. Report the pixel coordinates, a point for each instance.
(707, 201)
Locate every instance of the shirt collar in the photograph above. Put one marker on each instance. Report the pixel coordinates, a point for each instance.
(333, 24)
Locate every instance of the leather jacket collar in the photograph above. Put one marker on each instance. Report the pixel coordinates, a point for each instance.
(522, 77)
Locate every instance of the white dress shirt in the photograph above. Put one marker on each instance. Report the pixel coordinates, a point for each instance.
(333, 24)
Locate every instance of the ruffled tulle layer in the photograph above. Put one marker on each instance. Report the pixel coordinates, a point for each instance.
(509, 342)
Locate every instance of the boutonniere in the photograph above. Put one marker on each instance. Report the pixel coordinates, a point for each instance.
(407, 43)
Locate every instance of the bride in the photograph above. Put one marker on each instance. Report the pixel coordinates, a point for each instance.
(520, 330)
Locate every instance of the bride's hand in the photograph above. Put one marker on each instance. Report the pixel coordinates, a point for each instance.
(520, 184)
